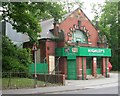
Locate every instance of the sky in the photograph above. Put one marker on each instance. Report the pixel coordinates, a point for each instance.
(87, 7)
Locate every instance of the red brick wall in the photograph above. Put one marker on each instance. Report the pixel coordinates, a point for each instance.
(71, 20)
(42, 50)
(60, 44)
(65, 25)
(50, 49)
(92, 32)
(63, 65)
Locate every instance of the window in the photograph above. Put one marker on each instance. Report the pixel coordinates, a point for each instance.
(89, 62)
(99, 62)
(79, 36)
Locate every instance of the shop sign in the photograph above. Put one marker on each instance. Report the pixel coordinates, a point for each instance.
(74, 49)
(67, 50)
(86, 51)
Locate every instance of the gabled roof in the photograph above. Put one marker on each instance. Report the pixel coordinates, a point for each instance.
(67, 15)
(47, 25)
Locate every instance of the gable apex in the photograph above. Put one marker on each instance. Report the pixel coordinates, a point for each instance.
(76, 13)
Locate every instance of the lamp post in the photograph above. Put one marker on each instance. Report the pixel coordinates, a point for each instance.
(34, 48)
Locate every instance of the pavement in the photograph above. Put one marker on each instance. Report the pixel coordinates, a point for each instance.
(70, 85)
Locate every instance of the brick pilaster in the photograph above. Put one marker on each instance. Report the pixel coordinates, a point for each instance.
(84, 58)
(79, 68)
(94, 73)
(103, 67)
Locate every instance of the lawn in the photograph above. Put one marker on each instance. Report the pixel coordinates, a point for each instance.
(16, 83)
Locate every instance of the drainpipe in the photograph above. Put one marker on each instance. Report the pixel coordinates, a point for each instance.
(56, 29)
(82, 68)
(106, 67)
(45, 73)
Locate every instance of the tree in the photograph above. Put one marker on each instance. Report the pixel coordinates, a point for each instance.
(14, 58)
(96, 10)
(118, 50)
(68, 5)
(25, 17)
(108, 25)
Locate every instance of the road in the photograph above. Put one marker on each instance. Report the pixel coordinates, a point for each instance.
(106, 90)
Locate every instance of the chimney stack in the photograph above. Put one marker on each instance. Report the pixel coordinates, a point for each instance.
(56, 29)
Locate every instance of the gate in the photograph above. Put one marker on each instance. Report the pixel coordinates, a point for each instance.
(71, 69)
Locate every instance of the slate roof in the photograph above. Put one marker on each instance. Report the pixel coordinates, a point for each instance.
(46, 26)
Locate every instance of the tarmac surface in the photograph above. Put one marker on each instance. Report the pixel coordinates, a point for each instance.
(70, 85)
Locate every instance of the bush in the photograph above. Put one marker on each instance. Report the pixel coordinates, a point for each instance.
(14, 58)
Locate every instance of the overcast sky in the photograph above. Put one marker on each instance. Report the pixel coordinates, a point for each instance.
(87, 7)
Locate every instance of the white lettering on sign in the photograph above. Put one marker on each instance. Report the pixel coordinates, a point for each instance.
(96, 51)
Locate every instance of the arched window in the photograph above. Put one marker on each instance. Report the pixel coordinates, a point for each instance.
(79, 36)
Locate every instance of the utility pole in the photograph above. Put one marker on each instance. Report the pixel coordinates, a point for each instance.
(34, 48)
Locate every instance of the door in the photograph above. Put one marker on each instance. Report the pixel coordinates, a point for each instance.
(71, 69)
(51, 64)
(99, 65)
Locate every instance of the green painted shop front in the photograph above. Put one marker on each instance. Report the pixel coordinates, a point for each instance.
(88, 52)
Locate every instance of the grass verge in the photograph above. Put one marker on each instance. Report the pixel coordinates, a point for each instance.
(16, 83)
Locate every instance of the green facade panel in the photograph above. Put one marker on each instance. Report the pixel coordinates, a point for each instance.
(59, 51)
(71, 57)
(89, 71)
(99, 71)
(40, 68)
(71, 70)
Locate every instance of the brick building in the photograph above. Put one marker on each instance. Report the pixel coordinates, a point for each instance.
(73, 47)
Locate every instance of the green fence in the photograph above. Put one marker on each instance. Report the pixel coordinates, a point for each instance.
(40, 68)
